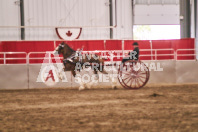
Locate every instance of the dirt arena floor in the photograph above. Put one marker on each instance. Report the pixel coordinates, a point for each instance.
(165, 108)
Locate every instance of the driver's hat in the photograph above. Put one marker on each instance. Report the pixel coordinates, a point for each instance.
(135, 43)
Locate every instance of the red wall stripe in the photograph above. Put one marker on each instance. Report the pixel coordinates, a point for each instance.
(90, 45)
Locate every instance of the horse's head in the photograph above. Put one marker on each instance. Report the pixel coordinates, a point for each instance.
(60, 48)
(64, 49)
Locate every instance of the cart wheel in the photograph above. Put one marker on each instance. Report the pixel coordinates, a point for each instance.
(133, 74)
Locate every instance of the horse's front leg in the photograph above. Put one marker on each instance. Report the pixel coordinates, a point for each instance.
(78, 80)
(73, 73)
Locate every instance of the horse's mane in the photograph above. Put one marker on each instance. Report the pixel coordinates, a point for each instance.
(69, 48)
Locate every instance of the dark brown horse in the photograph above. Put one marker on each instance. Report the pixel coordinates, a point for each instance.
(74, 60)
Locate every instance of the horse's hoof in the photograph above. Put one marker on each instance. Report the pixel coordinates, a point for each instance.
(61, 77)
(81, 88)
(88, 86)
(114, 87)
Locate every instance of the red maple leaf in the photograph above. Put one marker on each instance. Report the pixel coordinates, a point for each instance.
(69, 34)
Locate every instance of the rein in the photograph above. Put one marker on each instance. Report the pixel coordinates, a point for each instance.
(73, 55)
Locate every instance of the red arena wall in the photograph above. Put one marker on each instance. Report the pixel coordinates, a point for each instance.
(148, 48)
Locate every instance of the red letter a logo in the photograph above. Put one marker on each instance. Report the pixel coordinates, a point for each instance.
(50, 75)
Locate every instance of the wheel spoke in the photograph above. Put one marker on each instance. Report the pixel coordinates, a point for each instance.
(138, 83)
(135, 83)
(142, 77)
(128, 80)
(142, 73)
(127, 73)
(131, 82)
(141, 80)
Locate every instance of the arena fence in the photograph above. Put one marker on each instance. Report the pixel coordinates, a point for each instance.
(38, 57)
(12, 57)
(149, 48)
(24, 76)
(20, 70)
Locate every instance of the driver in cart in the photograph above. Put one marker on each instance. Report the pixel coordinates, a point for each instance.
(133, 55)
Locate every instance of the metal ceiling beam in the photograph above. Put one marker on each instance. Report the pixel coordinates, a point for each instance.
(22, 19)
(111, 17)
(185, 19)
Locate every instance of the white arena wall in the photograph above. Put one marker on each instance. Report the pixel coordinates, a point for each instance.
(25, 76)
(14, 76)
(167, 76)
(94, 13)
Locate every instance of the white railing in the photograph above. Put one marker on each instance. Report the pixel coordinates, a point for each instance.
(156, 53)
(5, 57)
(47, 56)
(121, 53)
(186, 54)
(110, 54)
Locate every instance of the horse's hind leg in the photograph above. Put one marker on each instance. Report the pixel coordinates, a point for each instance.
(94, 79)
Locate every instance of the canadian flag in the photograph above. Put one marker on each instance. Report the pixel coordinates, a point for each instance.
(68, 33)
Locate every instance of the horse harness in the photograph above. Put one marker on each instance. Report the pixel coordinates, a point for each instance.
(74, 55)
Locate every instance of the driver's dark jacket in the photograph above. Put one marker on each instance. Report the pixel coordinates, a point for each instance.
(136, 52)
